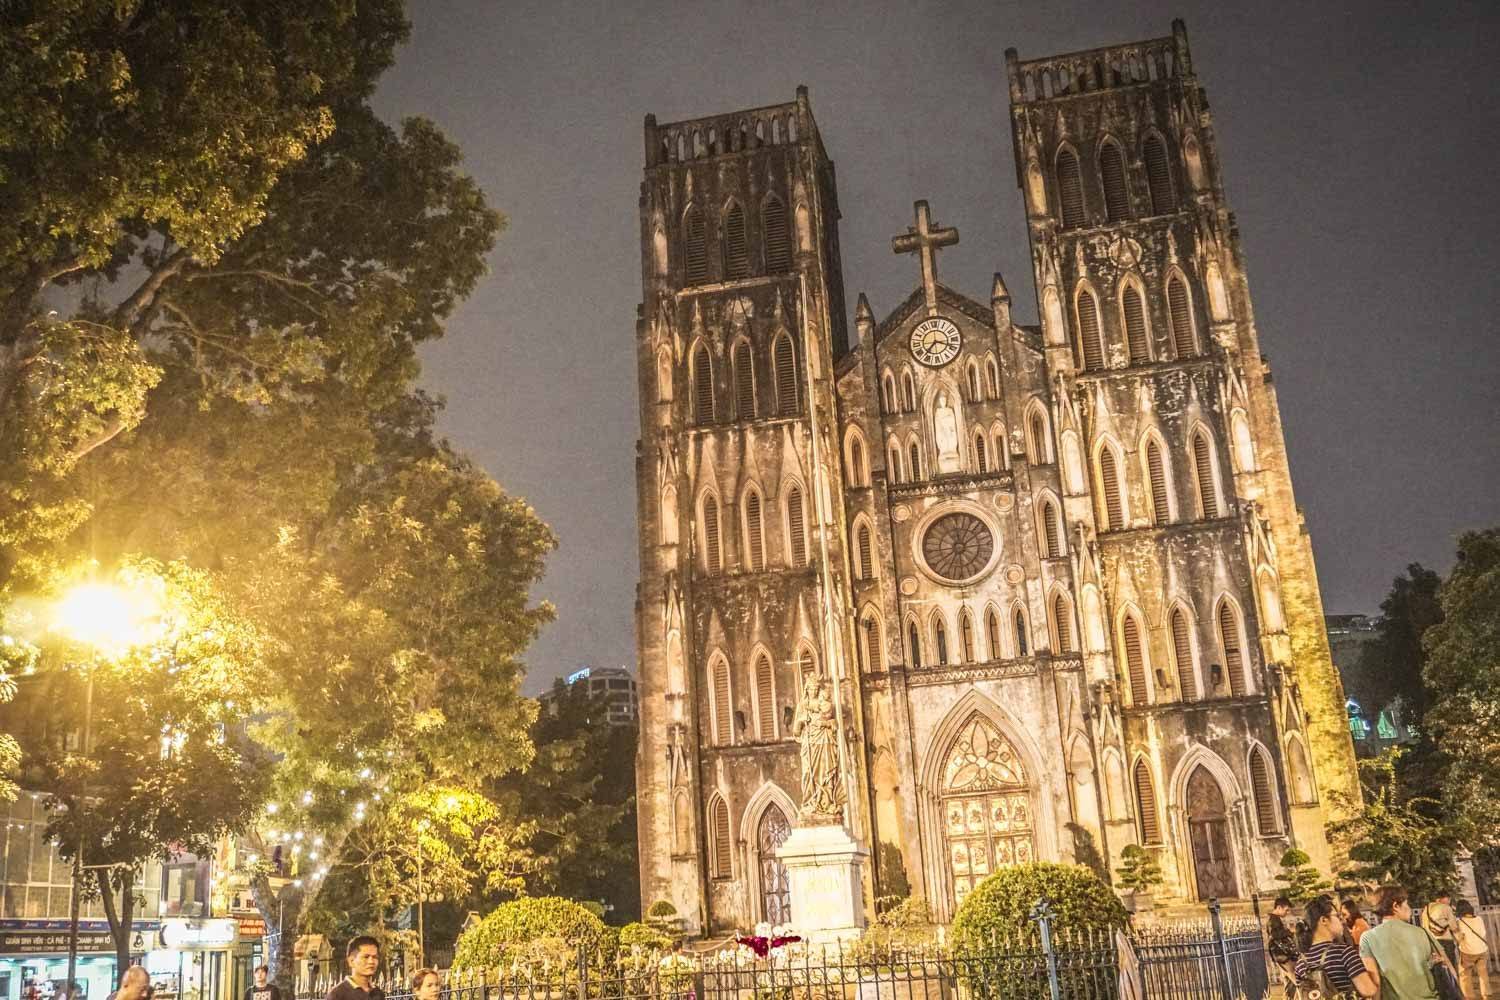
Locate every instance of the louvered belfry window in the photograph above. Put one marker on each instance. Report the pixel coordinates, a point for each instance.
(765, 698)
(1182, 317)
(723, 711)
(981, 459)
(777, 236)
(1051, 533)
(992, 633)
(1062, 624)
(1145, 805)
(754, 536)
(914, 639)
(711, 554)
(695, 246)
(940, 636)
(1135, 660)
(857, 473)
(794, 523)
(1088, 332)
(916, 461)
(1266, 819)
(866, 553)
(744, 382)
(1203, 467)
(1136, 338)
(788, 397)
(1038, 442)
(1182, 651)
(1156, 471)
(1112, 178)
(1070, 189)
(703, 386)
(1109, 486)
(874, 659)
(966, 636)
(1234, 657)
(1023, 648)
(974, 395)
(1159, 177)
(736, 253)
(723, 848)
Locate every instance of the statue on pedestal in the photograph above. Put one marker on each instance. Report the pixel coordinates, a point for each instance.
(817, 735)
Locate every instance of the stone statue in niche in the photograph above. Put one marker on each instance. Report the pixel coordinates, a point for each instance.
(945, 426)
(817, 735)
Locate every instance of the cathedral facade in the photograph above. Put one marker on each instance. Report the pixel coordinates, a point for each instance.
(1054, 576)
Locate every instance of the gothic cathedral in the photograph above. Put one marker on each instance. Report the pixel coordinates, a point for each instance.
(1055, 576)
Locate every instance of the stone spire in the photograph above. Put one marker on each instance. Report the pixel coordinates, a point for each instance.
(1000, 303)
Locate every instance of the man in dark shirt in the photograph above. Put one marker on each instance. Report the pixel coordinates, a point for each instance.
(263, 990)
(364, 963)
(1282, 941)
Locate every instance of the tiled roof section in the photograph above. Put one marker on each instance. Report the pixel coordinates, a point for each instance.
(946, 297)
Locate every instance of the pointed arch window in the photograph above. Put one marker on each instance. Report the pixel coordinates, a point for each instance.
(997, 448)
(1180, 311)
(966, 635)
(695, 246)
(915, 455)
(1148, 825)
(908, 392)
(1137, 338)
(981, 456)
(888, 393)
(736, 252)
(1070, 189)
(992, 378)
(703, 386)
(765, 698)
(893, 464)
(1135, 659)
(1109, 490)
(723, 709)
(1052, 547)
(859, 474)
(992, 633)
(1036, 437)
(796, 526)
(940, 639)
(1023, 645)
(777, 235)
(914, 643)
(755, 544)
(807, 664)
(1159, 176)
(1234, 654)
(1267, 815)
(712, 552)
(1203, 469)
(973, 376)
(1112, 179)
(788, 391)
(865, 552)
(1182, 652)
(1091, 347)
(1062, 624)
(721, 847)
(744, 381)
(874, 656)
(1156, 477)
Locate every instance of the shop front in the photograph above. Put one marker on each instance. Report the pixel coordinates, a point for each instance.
(194, 959)
(34, 958)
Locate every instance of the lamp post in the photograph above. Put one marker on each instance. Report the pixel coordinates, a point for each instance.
(108, 620)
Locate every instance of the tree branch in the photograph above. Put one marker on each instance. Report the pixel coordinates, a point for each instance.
(129, 312)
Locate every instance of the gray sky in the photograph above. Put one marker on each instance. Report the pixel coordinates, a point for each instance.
(1358, 143)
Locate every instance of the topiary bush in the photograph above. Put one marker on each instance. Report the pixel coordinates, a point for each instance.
(535, 930)
(644, 936)
(1001, 905)
(1138, 870)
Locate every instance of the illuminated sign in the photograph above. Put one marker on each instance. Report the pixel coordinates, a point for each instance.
(189, 935)
(577, 676)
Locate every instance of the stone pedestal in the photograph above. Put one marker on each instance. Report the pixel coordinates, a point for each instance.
(824, 868)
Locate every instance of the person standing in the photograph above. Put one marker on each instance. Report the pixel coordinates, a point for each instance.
(1354, 921)
(1281, 941)
(363, 958)
(134, 985)
(1439, 919)
(1398, 953)
(1473, 950)
(1328, 958)
(263, 989)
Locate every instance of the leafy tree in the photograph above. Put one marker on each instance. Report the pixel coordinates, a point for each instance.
(1390, 665)
(1463, 677)
(1397, 836)
(1300, 879)
(534, 928)
(1138, 871)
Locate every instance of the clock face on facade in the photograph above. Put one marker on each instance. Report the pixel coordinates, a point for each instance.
(935, 341)
(958, 546)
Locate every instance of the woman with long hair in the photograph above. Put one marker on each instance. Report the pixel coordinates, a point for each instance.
(1354, 920)
(1329, 963)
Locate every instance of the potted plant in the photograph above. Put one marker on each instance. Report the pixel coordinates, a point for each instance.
(1138, 875)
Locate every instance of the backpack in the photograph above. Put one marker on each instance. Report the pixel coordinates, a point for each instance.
(1315, 985)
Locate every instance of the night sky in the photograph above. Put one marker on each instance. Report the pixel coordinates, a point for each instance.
(1358, 143)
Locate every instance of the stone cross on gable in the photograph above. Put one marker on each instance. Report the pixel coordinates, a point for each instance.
(924, 240)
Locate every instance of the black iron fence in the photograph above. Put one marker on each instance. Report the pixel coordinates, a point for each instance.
(1212, 959)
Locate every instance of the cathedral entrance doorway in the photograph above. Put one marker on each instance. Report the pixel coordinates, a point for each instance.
(986, 803)
(775, 890)
(1208, 830)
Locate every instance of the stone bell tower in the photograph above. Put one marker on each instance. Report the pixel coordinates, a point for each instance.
(1200, 591)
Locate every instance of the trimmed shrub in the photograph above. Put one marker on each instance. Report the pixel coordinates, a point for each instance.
(1138, 870)
(523, 931)
(639, 935)
(1301, 881)
(1001, 905)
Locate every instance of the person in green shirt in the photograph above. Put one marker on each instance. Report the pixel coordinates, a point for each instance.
(1398, 953)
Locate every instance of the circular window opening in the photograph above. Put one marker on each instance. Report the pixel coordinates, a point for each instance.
(958, 546)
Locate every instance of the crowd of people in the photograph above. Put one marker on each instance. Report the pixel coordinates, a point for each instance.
(1332, 950)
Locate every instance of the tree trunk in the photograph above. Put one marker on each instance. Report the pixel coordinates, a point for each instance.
(282, 914)
(121, 918)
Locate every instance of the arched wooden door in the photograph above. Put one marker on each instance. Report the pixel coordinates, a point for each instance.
(1208, 830)
(775, 891)
(986, 806)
